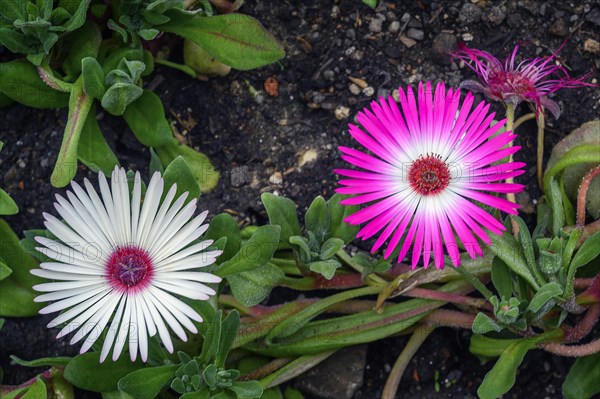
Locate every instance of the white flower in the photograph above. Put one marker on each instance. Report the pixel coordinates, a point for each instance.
(120, 261)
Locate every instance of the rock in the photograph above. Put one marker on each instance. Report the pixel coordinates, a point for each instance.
(405, 18)
(354, 89)
(392, 52)
(443, 44)
(376, 25)
(368, 91)
(530, 5)
(495, 15)
(342, 112)
(467, 37)
(276, 178)
(240, 176)
(308, 156)
(470, 14)
(328, 74)
(559, 28)
(318, 97)
(416, 34)
(591, 46)
(391, 16)
(593, 16)
(394, 27)
(385, 93)
(348, 367)
(407, 41)
(513, 20)
(351, 34)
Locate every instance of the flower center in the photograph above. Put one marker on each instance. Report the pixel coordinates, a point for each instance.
(429, 175)
(128, 266)
(512, 82)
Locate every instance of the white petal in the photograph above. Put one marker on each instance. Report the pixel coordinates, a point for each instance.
(72, 301)
(185, 288)
(113, 329)
(192, 249)
(77, 310)
(151, 202)
(123, 329)
(178, 221)
(163, 332)
(193, 276)
(135, 205)
(105, 314)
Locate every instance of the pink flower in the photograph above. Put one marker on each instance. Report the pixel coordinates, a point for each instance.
(429, 159)
(532, 80)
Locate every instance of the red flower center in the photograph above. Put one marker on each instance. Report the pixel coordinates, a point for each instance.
(429, 175)
(511, 82)
(129, 267)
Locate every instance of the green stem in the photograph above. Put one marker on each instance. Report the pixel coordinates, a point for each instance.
(414, 343)
(510, 118)
(372, 279)
(523, 119)
(297, 321)
(294, 369)
(474, 281)
(180, 67)
(540, 147)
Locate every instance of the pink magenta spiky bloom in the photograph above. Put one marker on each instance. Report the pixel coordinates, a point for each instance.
(531, 80)
(428, 159)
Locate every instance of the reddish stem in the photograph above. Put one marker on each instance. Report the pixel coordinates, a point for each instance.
(449, 297)
(582, 194)
(449, 318)
(4, 389)
(572, 350)
(585, 325)
(583, 283)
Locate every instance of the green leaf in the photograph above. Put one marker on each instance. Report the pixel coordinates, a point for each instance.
(247, 389)
(66, 162)
(119, 97)
(82, 44)
(251, 287)
(146, 118)
(20, 81)
(78, 17)
(588, 251)
(93, 78)
(229, 329)
(582, 380)
(86, 372)
(17, 293)
(338, 212)
(37, 390)
(502, 376)
(282, 212)
(210, 346)
(223, 225)
(237, 40)
(178, 172)
(371, 3)
(7, 205)
(301, 247)
(317, 219)
(330, 248)
(546, 293)
(326, 268)
(5, 271)
(146, 383)
(44, 361)
(204, 172)
(254, 253)
(507, 249)
(93, 150)
(558, 212)
(501, 278)
(484, 324)
(13, 10)
(155, 164)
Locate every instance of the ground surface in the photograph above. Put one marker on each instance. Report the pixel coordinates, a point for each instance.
(262, 143)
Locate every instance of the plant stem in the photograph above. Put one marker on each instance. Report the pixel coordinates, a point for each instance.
(449, 297)
(372, 279)
(449, 318)
(414, 343)
(510, 118)
(572, 350)
(294, 369)
(267, 369)
(523, 119)
(582, 195)
(540, 147)
(585, 325)
(474, 281)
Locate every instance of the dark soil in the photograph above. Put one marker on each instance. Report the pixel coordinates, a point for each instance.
(256, 141)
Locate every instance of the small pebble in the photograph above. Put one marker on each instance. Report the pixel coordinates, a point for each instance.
(470, 14)
(443, 44)
(591, 46)
(351, 34)
(329, 74)
(394, 27)
(407, 41)
(342, 112)
(354, 89)
(415, 34)
(308, 156)
(376, 25)
(559, 28)
(405, 18)
(276, 178)
(467, 37)
(495, 15)
(368, 91)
